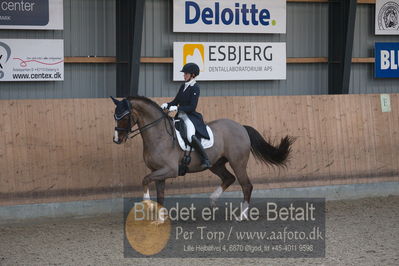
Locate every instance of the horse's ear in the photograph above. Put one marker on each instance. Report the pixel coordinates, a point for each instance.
(114, 100)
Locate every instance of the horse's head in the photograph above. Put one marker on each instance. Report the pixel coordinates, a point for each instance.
(124, 120)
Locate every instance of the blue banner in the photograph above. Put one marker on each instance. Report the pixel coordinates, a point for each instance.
(386, 60)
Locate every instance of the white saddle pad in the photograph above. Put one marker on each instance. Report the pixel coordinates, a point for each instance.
(206, 143)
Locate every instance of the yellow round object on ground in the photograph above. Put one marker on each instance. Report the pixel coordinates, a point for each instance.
(145, 229)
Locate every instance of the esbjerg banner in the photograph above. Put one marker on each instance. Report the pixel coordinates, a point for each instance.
(31, 60)
(229, 16)
(31, 14)
(387, 17)
(386, 60)
(231, 61)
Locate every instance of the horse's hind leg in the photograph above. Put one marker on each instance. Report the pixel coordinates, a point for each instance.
(240, 169)
(228, 178)
(245, 183)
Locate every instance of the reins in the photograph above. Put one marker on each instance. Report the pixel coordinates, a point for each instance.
(139, 130)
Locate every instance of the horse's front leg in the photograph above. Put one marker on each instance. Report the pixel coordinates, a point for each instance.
(158, 175)
(160, 185)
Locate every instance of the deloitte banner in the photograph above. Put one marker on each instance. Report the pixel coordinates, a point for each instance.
(231, 61)
(386, 60)
(31, 60)
(31, 14)
(244, 16)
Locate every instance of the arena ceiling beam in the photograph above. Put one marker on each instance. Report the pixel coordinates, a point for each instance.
(341, 27)
(129, 27)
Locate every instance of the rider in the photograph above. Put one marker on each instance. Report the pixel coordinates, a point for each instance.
(185, 104)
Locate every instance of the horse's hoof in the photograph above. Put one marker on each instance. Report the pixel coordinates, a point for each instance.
(241, 220)
(150, 204)
(243, 217)
(158, 222)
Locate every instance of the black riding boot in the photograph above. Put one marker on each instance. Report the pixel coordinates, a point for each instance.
(196, 143)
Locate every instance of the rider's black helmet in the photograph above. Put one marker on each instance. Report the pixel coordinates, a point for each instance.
(191, 68)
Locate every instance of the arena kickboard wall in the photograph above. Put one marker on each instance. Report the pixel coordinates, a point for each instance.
(62, 150)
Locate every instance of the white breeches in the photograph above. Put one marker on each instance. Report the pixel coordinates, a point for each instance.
(189, 125)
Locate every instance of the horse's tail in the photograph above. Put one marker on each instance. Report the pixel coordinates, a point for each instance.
(267, 153)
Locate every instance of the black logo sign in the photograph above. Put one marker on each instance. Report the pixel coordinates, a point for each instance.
(24, 13)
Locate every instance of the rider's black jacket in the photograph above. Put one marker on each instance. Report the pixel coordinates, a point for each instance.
(187, 101)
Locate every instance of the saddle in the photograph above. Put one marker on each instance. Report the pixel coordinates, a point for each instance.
(181, 133)
(181, 128)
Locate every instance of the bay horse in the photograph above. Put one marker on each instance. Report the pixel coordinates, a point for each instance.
(233, 144)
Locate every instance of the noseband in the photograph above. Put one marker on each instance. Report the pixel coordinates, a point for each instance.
(128, 129)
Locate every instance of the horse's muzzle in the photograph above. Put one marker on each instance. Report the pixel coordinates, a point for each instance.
(117, 142)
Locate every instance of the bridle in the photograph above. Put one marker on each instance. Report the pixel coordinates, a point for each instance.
(138, 130)
(133, 133)
(128, 129)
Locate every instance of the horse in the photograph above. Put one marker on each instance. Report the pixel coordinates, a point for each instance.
(233, 144)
